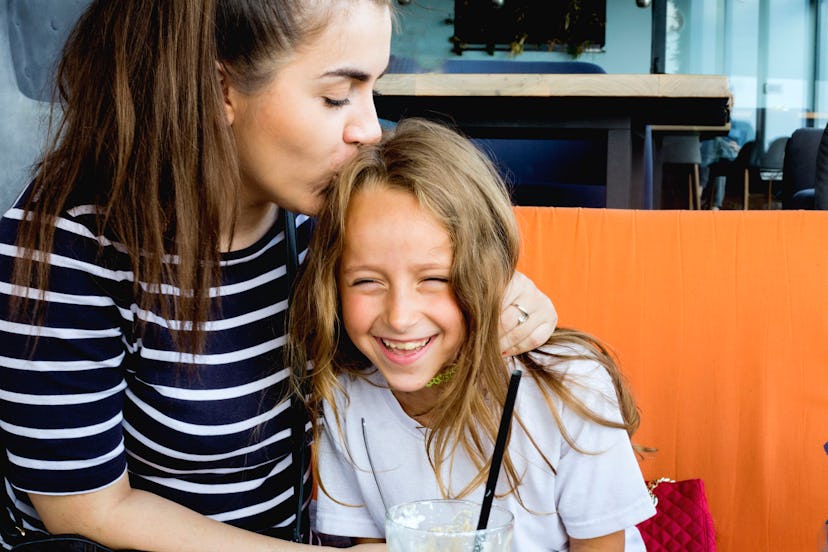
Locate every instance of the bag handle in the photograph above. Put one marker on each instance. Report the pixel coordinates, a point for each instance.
(651, 485)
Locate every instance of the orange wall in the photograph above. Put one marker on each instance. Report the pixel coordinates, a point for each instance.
(720, 321)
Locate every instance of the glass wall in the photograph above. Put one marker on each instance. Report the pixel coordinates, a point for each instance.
(820, 115)
(767, 49)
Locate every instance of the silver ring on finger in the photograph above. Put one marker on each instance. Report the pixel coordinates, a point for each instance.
(523, 316)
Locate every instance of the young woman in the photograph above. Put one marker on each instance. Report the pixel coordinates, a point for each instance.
(401, 298)
(144, 402)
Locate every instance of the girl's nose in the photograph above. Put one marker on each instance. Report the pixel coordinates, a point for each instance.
(401, 311)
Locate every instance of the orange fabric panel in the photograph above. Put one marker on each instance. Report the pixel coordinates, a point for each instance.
(720, 322)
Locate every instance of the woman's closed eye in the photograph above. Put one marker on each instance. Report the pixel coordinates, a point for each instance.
(334, 102)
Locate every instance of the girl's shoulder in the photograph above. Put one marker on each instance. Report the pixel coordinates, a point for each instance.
(578, 368)
(567, 359)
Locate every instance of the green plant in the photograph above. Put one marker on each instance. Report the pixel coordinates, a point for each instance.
(577, 23)
(570, 26)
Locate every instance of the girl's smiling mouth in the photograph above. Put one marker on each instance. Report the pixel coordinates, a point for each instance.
(404, 352)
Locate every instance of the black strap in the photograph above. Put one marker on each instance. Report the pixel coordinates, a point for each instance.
(41, 542)
(299, 411)
(292, 251)
(11, 525)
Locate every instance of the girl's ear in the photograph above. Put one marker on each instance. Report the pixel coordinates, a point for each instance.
(227, 92)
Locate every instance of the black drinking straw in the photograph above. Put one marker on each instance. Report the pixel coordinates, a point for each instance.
(500, 445)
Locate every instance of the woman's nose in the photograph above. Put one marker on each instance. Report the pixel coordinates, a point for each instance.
(364, 128)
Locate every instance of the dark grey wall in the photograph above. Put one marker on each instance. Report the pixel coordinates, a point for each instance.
(31, 34)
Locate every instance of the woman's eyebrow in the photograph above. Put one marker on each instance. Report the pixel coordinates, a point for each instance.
(353, 74)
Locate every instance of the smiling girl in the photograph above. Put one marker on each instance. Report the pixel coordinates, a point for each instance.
(401, 300)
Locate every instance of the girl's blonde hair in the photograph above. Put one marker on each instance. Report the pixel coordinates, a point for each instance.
(458, 184)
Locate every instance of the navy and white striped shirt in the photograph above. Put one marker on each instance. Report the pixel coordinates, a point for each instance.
(94, 400)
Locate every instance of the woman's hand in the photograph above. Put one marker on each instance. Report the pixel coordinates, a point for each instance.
(528, 317)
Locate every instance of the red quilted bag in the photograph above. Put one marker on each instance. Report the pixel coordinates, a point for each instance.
(682, 522)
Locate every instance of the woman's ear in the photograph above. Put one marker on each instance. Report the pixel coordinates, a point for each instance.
(226, 92)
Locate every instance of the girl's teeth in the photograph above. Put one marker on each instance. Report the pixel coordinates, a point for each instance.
(406, 346)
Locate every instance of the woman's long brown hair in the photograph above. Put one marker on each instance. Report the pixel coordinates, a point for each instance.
(142, 133)
(456, 183)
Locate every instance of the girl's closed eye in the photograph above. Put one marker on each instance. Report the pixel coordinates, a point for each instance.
(435, 282)
(364, 282)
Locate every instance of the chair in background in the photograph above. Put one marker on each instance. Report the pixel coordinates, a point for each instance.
(741, 172)
(800, 169)
(721, 150)
(685, 150)
(770, 168)
(31, 36)
(821, 187)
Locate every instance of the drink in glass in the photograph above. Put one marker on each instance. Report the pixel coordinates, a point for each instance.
(445, 525)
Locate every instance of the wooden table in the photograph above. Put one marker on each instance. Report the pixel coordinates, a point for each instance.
(620, 108)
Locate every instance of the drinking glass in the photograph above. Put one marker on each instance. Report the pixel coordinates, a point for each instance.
(445, 525)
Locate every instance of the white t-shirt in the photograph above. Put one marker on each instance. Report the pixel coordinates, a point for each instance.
(591, 495)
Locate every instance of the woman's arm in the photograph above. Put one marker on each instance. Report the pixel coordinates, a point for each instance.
(120, 517)
(520, 337)
(614, 542)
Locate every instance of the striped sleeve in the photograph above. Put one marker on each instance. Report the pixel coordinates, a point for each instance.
(62, 387)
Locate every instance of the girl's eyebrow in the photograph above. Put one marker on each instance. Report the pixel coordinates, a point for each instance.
(369, 266)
